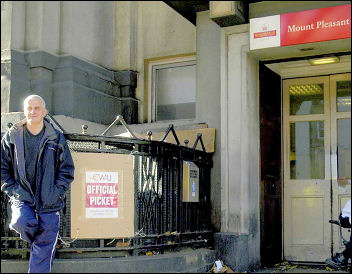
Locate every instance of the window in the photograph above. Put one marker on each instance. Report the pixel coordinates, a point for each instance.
(173, 89)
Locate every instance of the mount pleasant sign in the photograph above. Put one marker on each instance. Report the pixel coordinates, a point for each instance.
(302, 27)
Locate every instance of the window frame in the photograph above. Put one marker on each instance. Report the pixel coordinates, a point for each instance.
(152, 66)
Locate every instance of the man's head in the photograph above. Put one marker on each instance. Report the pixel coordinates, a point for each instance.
(34, 109)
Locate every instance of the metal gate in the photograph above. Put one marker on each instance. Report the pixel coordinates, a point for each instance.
(162, 219)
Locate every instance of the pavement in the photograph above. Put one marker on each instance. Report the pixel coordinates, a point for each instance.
(286, 267)
(184, 261)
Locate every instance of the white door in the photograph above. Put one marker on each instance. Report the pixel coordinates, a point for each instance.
(312, 195)
(340, 88)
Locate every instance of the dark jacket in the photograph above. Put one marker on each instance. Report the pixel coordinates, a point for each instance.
(55, 168)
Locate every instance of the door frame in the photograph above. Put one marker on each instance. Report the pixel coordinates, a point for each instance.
(337, 192)
(290, 68)
(300, 250)
(330, 117)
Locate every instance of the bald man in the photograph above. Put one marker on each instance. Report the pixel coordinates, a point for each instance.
(36, 170)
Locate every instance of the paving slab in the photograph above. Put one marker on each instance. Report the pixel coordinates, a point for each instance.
(287, 267)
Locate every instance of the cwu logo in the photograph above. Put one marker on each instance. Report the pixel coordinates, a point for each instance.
(101, 177)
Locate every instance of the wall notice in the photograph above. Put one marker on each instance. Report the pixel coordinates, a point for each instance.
(101, 194)
(308, 26)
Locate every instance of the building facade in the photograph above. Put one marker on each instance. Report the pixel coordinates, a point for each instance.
(282, 164)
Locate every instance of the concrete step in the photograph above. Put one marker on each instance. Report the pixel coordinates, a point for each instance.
(185, 261)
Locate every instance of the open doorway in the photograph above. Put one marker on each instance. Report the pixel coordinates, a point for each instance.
(270, 165)
(290, 227)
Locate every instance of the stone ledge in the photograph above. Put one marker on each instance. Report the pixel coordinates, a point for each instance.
(193, 261)
(71, 86)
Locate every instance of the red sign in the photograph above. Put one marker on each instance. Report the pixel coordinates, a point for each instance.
(318, 25)
(264, 34)
(101, 195)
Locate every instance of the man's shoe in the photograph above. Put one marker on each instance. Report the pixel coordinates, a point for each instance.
(338, 261)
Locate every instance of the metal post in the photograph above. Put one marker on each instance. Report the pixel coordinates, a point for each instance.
(119, 118)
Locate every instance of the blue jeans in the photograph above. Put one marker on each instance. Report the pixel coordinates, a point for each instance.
(40, 230)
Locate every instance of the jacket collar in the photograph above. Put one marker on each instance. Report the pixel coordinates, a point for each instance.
(17, 128)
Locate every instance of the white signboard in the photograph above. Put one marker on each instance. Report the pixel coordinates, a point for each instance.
(101, 194)
(265, 32)
(307, 26)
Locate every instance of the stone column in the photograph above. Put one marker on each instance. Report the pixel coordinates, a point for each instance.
(208, 99)
(125, 44)
(6, 15)
(238, 243)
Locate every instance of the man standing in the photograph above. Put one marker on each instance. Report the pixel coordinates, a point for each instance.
(36, 170)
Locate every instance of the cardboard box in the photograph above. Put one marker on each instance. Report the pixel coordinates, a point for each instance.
(102, 196)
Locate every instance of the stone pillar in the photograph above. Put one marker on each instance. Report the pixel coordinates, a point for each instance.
(6, 15)
(238, 243)
(125, 44)
(208, 99)
(228, 99)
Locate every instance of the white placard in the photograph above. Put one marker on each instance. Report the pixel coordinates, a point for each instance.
(265, 32)
(101, 194)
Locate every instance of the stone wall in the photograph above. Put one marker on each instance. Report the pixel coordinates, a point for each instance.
(51, 40)
(73, 87)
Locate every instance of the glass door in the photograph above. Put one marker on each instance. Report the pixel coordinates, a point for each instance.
(307, 174)
(317, 164)
(340, 88)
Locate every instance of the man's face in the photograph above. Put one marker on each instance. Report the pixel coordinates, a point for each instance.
(34, 111)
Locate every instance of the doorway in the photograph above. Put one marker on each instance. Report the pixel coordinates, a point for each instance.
(316, 164)
(270, 98)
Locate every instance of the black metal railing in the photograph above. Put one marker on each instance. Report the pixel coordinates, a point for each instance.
(162, 219)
